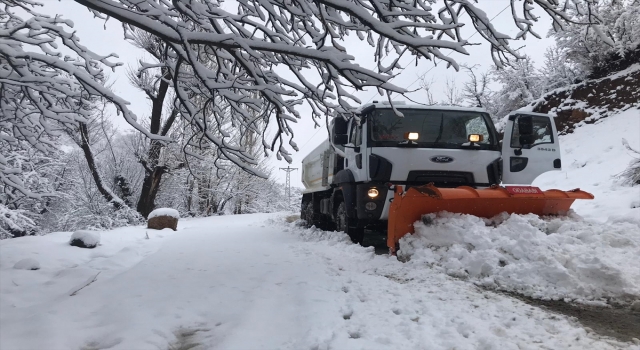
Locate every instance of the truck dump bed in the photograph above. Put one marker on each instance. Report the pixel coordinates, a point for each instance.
(318, 167)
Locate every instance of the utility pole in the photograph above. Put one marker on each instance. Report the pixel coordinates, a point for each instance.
(288, 184)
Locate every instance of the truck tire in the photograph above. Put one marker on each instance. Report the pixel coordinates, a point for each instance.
(306, 213)
(347, 225)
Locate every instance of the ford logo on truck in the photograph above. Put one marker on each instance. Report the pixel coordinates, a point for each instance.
(441, 159)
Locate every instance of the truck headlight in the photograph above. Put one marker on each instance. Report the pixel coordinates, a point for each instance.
(371, 206)
(373, 193)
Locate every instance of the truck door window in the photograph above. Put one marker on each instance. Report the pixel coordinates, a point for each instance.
(478, 126)
(542, 132)
(356, 134)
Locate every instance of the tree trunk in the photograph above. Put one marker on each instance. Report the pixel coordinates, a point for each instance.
(88, 155)
(150, 187)
(154, 171)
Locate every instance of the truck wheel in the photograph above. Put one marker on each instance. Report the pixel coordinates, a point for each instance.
(348, 226)
(306, 213)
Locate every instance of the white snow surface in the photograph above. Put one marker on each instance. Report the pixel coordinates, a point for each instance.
(89, 238)
(164, 212)
(255, 283)
(546, 258)
(27, 264)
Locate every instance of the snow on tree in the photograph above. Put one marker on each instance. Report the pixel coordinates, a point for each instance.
(231, 74)
(558, 70)
(613, 35)
(269, 56)
(42, 91)
(521, 85)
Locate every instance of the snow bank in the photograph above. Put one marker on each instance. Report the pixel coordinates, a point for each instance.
(27, 264)
(164, 212)
(553, 258)
(85, 239)
(386, 304)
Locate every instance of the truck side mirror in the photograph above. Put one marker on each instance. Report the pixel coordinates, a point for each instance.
(340, 139)
(525, 125)
(340, 126)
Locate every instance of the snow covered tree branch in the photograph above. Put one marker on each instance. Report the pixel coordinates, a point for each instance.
(258, 63)
(271, 56)
(50, 84)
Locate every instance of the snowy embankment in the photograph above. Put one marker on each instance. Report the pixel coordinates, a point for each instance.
(548, 258)
(591, 256)
(592, 158)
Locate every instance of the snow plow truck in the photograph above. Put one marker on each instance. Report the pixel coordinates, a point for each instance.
(382, 170)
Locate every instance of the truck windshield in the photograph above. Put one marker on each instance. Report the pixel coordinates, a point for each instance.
(435, 128)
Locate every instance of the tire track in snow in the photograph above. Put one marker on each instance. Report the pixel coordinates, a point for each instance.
(393, 305)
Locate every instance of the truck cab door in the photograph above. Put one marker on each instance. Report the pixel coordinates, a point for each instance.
(530, 148)
(355, 152)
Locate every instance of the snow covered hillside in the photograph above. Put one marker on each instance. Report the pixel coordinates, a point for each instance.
(254, 282)
(592, 156)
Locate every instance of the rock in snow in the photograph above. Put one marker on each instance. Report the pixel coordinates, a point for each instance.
(162, 218)
(85, 239)
(27, 264)
(164, 212)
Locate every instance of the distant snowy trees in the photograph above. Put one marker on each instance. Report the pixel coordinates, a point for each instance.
(521, 84)
(609, 44)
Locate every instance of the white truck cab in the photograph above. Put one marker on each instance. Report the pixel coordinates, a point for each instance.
(348, 177)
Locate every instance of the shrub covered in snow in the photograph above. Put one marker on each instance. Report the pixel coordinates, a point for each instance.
(553, 258)
(27, 264)
(14, 223)
(631, 175)
(85, 239)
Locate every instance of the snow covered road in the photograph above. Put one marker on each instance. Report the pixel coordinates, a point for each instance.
(254, 282)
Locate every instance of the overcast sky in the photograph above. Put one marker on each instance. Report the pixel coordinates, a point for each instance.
(105, 38)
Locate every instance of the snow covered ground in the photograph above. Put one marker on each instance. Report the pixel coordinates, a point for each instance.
(254, 282)
(552, 258)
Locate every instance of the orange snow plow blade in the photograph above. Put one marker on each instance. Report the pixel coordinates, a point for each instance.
(408, 207)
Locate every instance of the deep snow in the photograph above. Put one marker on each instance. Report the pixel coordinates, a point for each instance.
(253, 282)
(550, 258)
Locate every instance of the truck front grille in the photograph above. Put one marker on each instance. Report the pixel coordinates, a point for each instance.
(441, 178)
